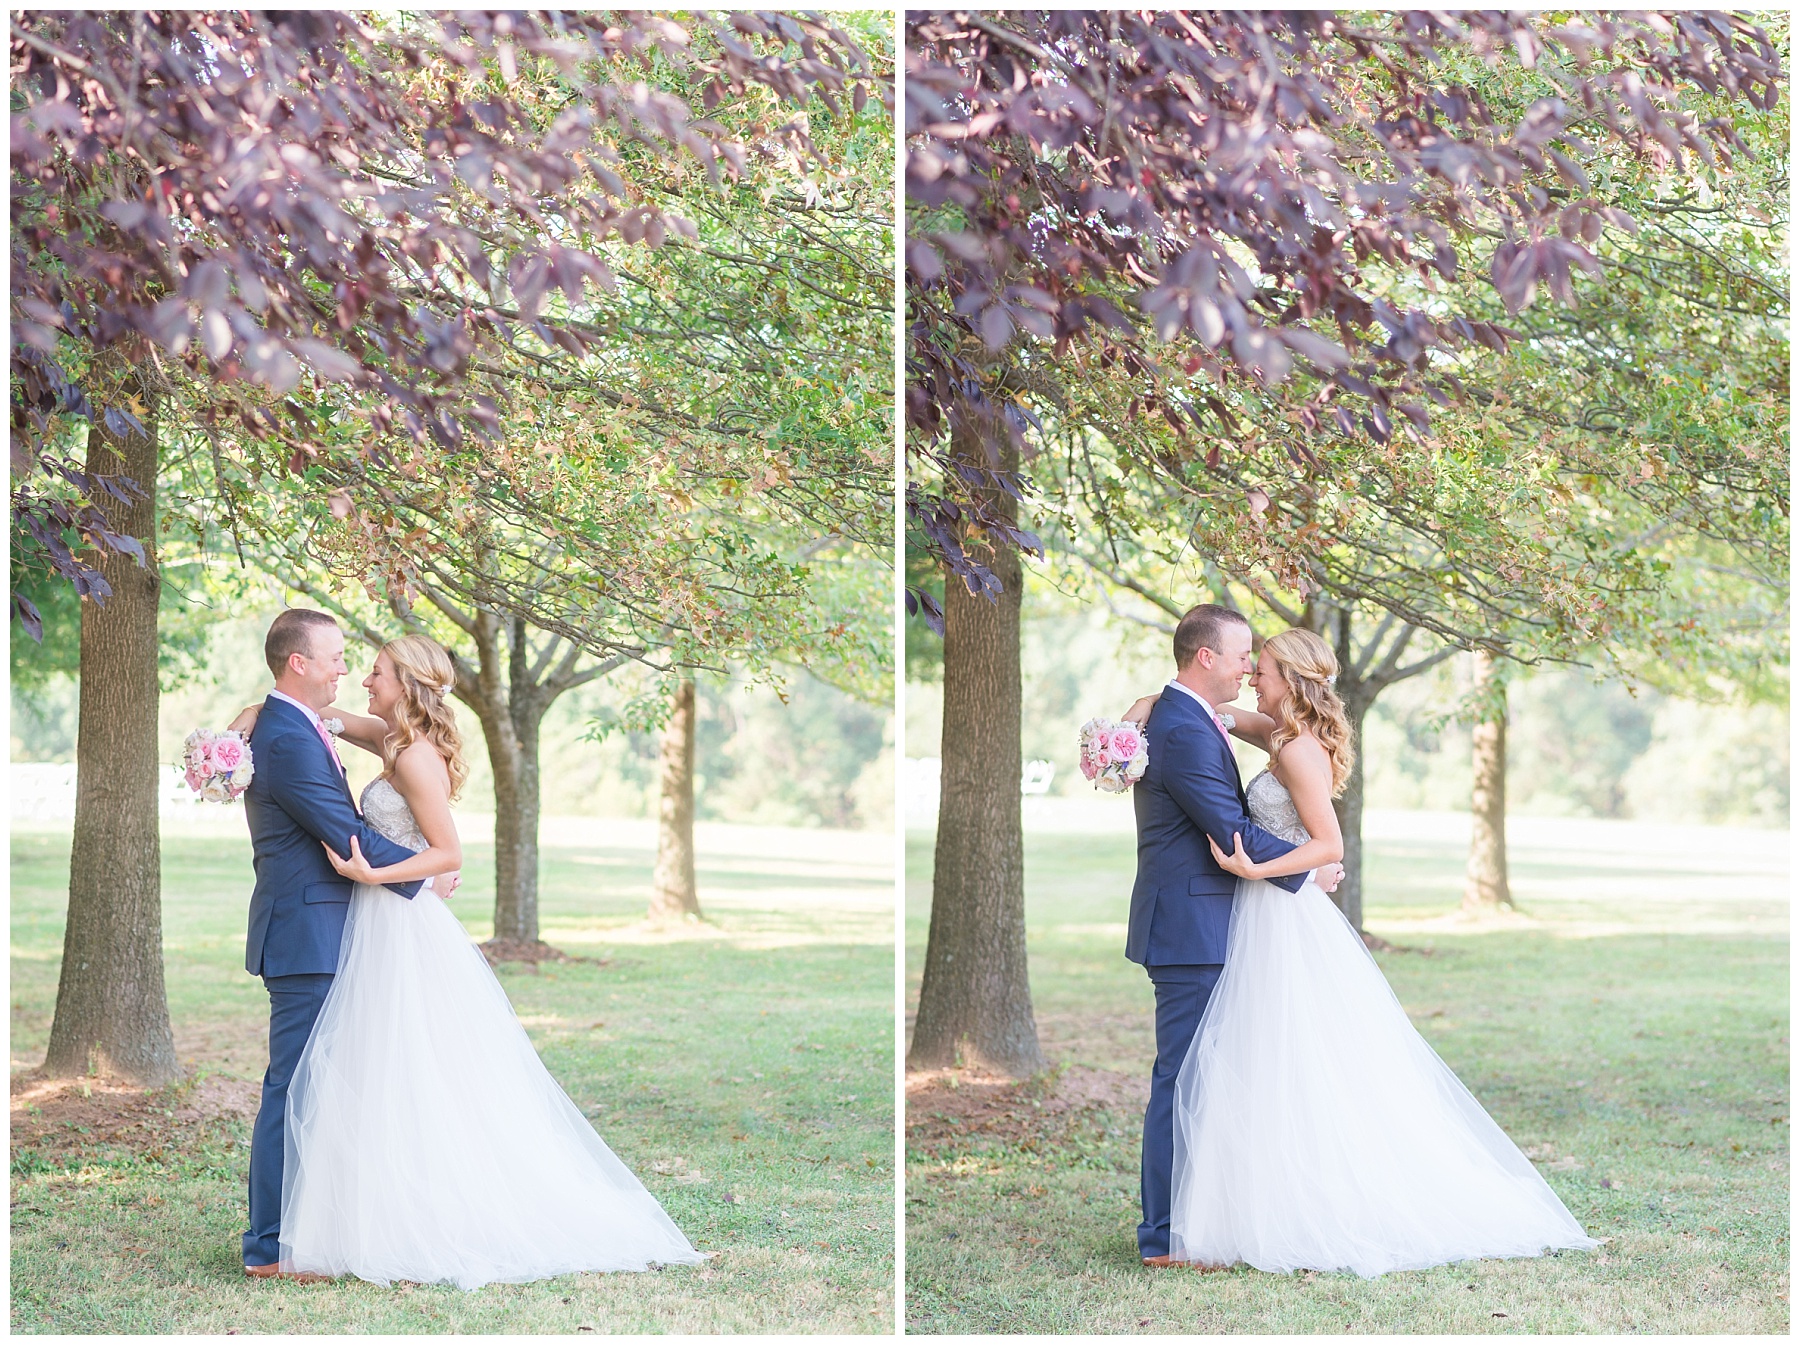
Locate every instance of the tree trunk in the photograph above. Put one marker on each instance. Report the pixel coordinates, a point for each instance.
(672, 891)
(975, 1003)
(510, 705)
(1487, 888)
(517, 805)
(1336, 625)
(112, 1015)
(1349, 809)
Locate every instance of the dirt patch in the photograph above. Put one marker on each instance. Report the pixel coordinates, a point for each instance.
(948, 1108)
(238, 1048)
(1126, 1041)
(1376, 944)
(530, 952)
(68, 1117)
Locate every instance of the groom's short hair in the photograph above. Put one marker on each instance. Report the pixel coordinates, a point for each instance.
(1200, 628)
(292, 633)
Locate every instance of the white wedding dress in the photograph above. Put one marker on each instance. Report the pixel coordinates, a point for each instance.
(1314, 1127)
(425, 1139)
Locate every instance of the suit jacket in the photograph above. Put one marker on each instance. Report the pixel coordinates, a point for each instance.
(298, 799)
(1181, 902)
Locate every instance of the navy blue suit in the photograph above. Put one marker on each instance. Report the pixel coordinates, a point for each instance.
(1181, 910)
(297, 802)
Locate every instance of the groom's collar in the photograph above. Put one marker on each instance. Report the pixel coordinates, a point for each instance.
(1187, 690)
(311, 714)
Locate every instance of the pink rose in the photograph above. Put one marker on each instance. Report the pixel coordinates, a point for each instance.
(1125, 741)
(194, 778)
(227, 753)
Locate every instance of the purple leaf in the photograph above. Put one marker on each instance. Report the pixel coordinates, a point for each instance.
(996, 327)
(1309, 345)
(29, 617)
(215, 334)
(330, 363)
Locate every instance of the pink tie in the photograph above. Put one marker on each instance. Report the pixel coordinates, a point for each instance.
(330, 747)
(1224, 732)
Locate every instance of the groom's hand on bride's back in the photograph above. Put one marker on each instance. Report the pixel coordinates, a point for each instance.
(1328, 876)
(447, 884)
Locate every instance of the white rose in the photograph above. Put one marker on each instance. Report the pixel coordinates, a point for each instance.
(214, 791)
(243, 775)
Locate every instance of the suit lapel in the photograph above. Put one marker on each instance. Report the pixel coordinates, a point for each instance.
(304, 724)
(1192, 707)
(1237, 778)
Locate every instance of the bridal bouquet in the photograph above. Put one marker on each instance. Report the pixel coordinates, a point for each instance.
(219, 768)
(1113, 754)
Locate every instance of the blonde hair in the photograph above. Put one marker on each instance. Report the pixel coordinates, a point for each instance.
(427, 677)
(1309, 668)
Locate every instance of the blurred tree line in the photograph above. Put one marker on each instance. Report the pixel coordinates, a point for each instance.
(1576, 746)
(824, 759)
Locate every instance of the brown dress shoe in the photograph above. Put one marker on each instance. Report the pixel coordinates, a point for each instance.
(1159, 1261)
(275, 1272)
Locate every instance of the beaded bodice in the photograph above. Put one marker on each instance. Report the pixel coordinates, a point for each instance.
(1272, 809)
(387, 812)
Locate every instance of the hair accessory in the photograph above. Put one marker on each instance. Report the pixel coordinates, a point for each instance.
(1332, 681)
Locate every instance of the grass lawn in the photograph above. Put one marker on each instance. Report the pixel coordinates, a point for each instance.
(1629, 1029)
(742, 1068)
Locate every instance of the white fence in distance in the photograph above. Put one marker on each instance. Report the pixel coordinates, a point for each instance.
(44, 791)
(919, 786)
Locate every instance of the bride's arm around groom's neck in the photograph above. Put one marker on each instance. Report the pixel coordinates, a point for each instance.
(366, 731)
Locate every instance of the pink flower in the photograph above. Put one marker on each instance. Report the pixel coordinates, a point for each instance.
(226, 754)
(1125, 740)
(194, 778)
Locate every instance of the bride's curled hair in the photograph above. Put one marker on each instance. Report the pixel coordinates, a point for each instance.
(427, 677)
(1309, 668)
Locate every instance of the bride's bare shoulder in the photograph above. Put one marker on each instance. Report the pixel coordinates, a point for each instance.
(1302, 754)
(421, 763)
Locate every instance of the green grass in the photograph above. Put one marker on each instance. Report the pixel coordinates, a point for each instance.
(742, 1069)
(1632, 1041)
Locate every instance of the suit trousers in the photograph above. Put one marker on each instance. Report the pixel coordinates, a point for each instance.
(1181, 995)
(294, 1004)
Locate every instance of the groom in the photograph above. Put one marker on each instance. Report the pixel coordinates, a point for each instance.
(297, 803)
(1181, 902)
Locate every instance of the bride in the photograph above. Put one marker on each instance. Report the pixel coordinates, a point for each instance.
(1314, 1127)
(425, 1139)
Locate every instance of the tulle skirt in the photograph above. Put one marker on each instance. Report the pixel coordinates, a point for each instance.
(1315, 1129)
(425, 1139)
